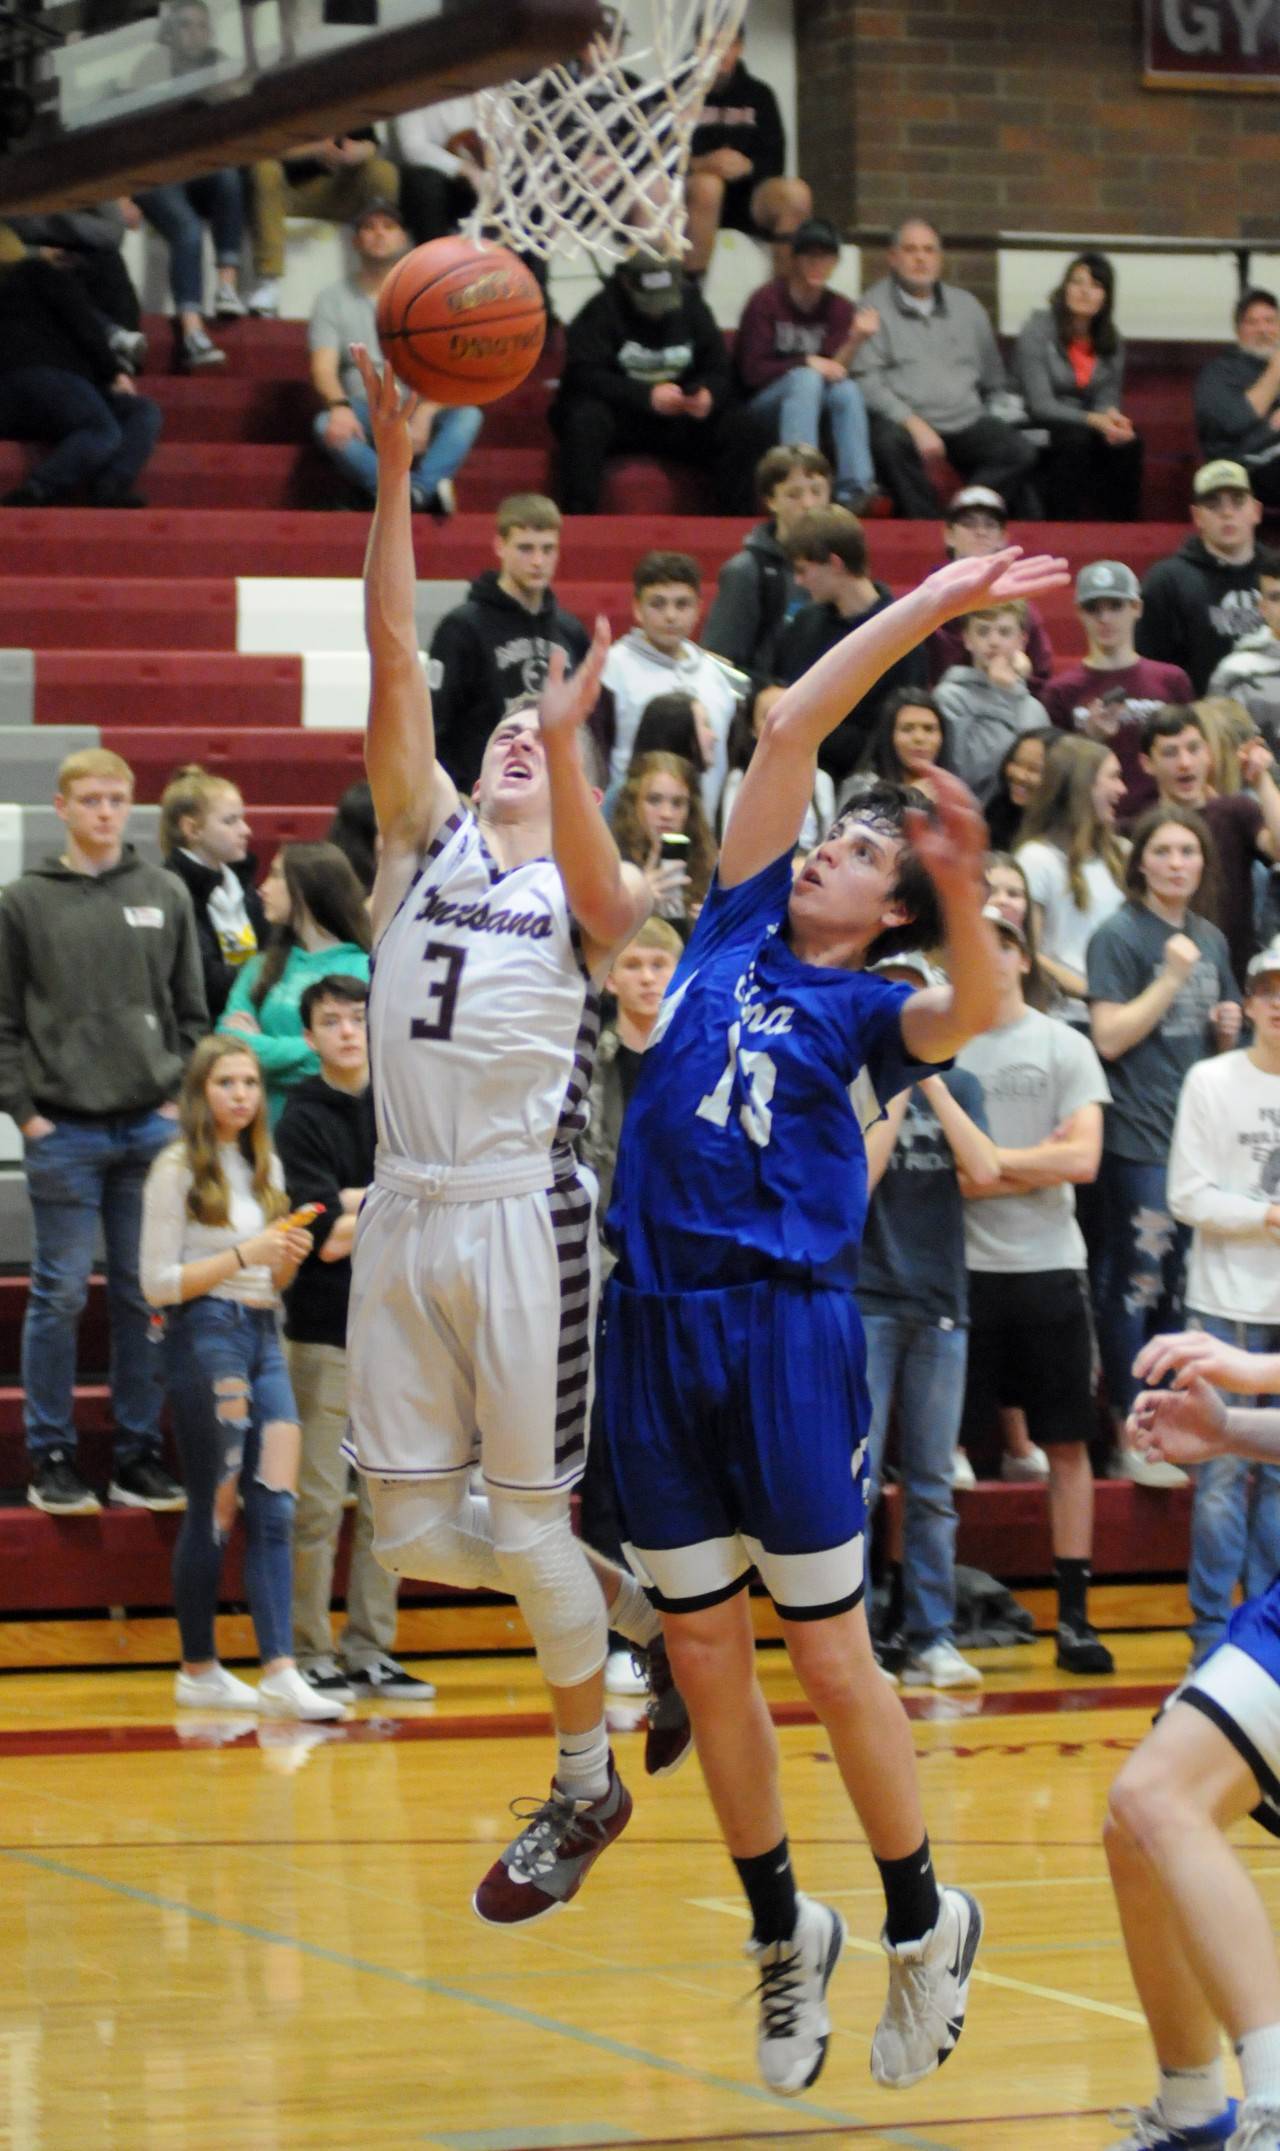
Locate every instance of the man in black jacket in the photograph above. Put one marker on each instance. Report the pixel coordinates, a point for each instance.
(489, 655)
(646, 368)
(1198, 602)
(60, 381)
(1238, 396)
(736, 180)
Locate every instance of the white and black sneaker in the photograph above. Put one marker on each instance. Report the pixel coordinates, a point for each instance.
(384, 1676)
(795, 2026)
(327, 1678)
(57, 1487)
(928, 1991)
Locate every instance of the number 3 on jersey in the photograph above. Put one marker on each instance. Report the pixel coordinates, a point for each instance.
(759, 1075)
(442, 991)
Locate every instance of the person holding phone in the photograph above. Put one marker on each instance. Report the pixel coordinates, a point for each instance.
(659, 825)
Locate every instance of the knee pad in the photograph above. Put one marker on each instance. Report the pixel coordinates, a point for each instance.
(547, 1573)
(438, 1530)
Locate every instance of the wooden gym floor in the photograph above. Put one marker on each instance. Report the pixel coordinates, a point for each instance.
(223, 1934)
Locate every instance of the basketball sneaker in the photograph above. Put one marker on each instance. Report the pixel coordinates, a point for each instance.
(547, 1863)
(1257, 2126)
(670, 1735)
(928, 1989)
(1149, 2131)
(795, 2026)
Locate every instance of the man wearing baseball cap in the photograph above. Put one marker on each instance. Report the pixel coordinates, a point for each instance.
(976, 523)
(1199, 602)
(1110, 693)
(792, 353)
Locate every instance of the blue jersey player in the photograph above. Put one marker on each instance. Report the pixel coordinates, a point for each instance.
(1199, 1941)
(733, 1387)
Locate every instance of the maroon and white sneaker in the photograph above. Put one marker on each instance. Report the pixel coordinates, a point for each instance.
(670, 1736)
(548, 1862)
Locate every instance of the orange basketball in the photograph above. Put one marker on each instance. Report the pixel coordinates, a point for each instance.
(461, 323)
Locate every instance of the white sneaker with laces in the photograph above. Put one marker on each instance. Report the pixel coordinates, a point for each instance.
(1145, 1470)
(928, 1990)
(214, 1690)
(622, 1676)
(795, 2025)
(963, 1477)
(940, 1666)
(286, 1695)
(1257, 2126)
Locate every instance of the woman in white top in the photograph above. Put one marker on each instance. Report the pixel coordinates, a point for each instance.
(217, 1249)
(1073, 860)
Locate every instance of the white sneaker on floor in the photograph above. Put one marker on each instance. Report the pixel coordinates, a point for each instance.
(940, 1666)
(287, 1695)
(622, 1676)
(1145, 1470)
(928, 1989)
(264, 299)
(1257, 2126)
(215, 1690)
(963, 1478)
(795, 2025)
(1029, 1469)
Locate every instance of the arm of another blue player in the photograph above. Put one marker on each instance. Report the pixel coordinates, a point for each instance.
(778, 785)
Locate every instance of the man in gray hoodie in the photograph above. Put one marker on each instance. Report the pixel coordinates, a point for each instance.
(987, 702)
(101, 1003)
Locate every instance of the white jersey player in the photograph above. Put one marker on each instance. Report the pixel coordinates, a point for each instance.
(473, 1298)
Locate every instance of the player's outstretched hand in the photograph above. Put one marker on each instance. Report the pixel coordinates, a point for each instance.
(972, 585)
(950, 843)
(390, 411)
(1179, 1426)
(568, 698)
(1191, 1355)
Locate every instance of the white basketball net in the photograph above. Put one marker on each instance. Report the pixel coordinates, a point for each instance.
(591, 154)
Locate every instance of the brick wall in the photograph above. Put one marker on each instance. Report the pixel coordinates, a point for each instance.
(1020, 115)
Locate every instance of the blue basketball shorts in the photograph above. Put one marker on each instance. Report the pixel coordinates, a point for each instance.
(736, 1425)
(1238, 1690)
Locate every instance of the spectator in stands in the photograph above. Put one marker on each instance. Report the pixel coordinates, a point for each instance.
(1197, 603)
(1250, 672)
(184, 46)
(910, 739)
(914, 1304)
(1237, 396)
(927, 376)
(676, 723)
(204, 841)
(744, 733)
(440, 158)
(1162, 997)
(792, 353)
(1018, 779)
(1029, 1337)
(828, 553)
(180, 211)
(326, 1141)
(100, 1004)
(217, 1247)
(333, 179)
(1223, 1185)
(646, 369)
(736, 180)
(61, 382)
(1243, 827)
(319, 924)
(346, 313)
(1112, 691)
(658, 656)
(977, 523)
(354, 830)
(757, 594)
(659, 799)
(987, 702)
(1074, 861)
(1069, 366)
(89, 243)
(489, 655)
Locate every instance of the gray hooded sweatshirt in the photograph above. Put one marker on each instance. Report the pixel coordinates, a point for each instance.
(985, 720)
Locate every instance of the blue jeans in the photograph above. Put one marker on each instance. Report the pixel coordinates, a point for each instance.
(921, 1365)
(1138, 1282)
(85, 1171)
(180, 212)
(101, 439)
(1235, 1524)
(226, 1376)
(452, 439)
(800, 399)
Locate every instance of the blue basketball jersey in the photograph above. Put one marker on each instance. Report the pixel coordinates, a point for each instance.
(741, 1152)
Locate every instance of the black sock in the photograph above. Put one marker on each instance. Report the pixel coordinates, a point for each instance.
(896, 1612)
(771, 1893)
(1073, 1590)
(910, 1895)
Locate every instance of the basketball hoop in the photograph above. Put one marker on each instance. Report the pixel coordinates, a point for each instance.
(591, 154)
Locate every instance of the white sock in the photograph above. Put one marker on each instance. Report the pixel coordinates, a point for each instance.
(633, 1612)
(1190, 2097)
(582, 1763)
(1259, 2053)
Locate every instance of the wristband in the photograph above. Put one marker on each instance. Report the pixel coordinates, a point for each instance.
(339, 403)
(239, 1258)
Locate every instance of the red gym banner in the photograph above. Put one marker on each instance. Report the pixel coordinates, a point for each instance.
(1211, 45)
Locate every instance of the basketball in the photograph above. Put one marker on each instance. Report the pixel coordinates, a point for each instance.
(461, 323)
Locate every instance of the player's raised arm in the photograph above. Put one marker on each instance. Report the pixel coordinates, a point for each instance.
(951, 843)
(412, 794)
(776, 790)
(609, 899)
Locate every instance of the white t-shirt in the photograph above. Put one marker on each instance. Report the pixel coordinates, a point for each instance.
(1034, 1072)
(1065, 930)
(1224, 1172)
(171, 1237)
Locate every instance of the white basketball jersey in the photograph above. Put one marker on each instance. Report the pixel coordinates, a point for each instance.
(483, 1021)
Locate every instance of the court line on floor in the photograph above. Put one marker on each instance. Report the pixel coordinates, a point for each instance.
(442, 1990)
(889, 2133)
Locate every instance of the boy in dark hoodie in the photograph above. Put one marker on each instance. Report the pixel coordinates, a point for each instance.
(1199, 602)
(757, 593)
(490, 654)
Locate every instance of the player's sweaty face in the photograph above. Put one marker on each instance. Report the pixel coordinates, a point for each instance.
(848, 880)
